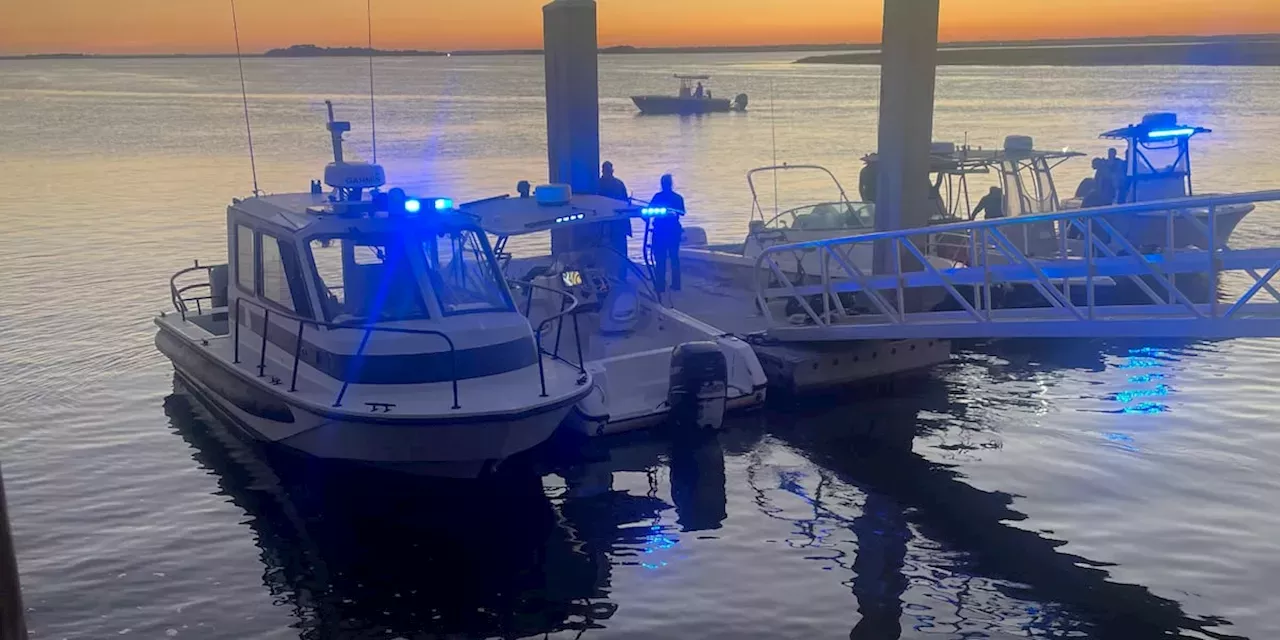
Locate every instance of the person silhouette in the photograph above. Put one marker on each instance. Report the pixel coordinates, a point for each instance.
(620, 229)
(667, 234)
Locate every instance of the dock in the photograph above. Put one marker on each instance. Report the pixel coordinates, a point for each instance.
(801, 368)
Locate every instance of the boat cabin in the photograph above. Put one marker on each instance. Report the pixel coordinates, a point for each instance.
(1157, 159)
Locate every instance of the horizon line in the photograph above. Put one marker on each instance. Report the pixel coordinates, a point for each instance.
(360, 50)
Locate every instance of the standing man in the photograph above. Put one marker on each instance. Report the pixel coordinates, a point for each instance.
(618, 230)
(667, 234)
(1119, 173)
(992, 204)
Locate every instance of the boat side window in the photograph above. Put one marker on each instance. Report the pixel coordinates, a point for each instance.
(245, 259)
(463, 272)
(277, 285)
(366, 279)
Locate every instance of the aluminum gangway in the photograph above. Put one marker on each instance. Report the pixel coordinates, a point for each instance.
(1070, 274)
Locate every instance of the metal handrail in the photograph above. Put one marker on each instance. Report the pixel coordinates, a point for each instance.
(1172, 205)
(175, 293)
(569, 307)
(297, 351)
(1102, 241)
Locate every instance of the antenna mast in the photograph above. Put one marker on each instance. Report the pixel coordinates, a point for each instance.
(773, 126)
(244, 96)
(373, 114)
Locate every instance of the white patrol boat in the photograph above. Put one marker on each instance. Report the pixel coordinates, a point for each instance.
(370, 327)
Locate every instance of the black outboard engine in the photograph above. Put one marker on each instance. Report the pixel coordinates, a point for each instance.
(740, 102)
(699, 386)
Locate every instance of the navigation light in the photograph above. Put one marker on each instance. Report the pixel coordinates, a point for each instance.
(1161, 134)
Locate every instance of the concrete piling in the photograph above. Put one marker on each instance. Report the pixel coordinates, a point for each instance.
(907, 76)
(12, 623)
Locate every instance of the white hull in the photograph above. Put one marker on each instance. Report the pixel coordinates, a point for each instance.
(585, 421)
(450, 445)
(630, 388)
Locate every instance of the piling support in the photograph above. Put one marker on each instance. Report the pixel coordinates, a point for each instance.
(12, 625)
(907, 75)
(573, 98)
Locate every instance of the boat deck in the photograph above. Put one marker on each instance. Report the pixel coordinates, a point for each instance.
(729, 309)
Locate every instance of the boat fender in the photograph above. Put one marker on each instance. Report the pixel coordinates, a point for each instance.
(699, 389)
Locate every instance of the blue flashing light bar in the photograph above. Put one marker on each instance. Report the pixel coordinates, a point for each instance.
(443, 204)
(412, 205)
(570, 218)
(653, 212)
(1161, 134)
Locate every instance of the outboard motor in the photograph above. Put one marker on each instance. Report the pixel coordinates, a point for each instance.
(699, 388)
(740, 102)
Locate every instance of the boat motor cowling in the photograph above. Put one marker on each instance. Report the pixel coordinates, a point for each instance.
(740, 102)
(699, 389)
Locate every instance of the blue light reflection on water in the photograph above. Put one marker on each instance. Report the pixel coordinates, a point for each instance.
(1141, 400)
(656, 541)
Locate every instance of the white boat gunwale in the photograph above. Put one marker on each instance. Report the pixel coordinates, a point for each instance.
(357, 417)
(182, 304)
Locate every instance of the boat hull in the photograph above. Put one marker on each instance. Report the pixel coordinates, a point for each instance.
(1150, 230)
(671, 105)
(586, 421)
(465, 447)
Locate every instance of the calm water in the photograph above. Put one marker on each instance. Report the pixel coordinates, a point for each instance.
(1086, 489)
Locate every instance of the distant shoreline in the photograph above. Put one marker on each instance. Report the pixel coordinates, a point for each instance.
(1261, 49)
(1253, 52)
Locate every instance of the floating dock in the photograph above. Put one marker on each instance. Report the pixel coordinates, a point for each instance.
(799, 368)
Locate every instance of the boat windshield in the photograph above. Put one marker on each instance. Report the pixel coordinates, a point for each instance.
(827, 216)
(463, 272)
(366, 278)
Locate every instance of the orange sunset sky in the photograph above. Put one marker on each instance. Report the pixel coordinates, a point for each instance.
(204, 26)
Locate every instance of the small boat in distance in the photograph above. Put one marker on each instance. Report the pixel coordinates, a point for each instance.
(694, 98)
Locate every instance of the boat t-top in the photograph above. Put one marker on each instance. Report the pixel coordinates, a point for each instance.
(1156, 167)
(359, 325)
(649, 363)
(694, 98)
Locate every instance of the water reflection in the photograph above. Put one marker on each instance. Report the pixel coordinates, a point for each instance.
(361, 553)
(912, 505)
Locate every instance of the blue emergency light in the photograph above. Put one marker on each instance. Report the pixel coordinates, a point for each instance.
(1162, 134)
(653, 212)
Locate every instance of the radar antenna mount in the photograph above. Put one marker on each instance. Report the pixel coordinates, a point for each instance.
(348, 179)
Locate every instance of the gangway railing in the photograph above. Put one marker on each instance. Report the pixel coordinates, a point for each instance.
(1068, 274)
